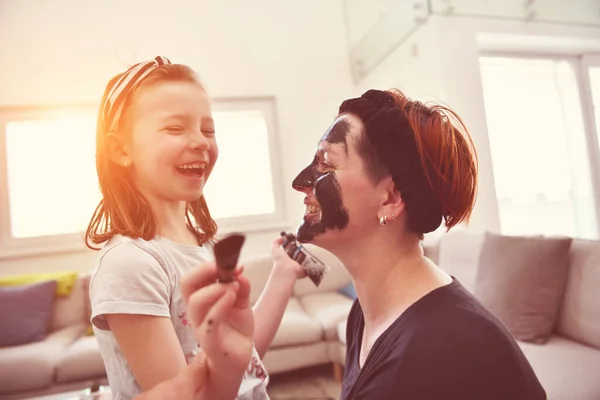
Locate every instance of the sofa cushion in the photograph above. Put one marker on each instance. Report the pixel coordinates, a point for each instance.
(73, 308)
(335, 278)
(296, 327)
(257, 269)
(82, 360)
(522, 280)
(65, 280)
(349, 291)
(341, 331)
(31, 366)
(25, 312)
(579, 317)
(459, 256)
(292, 358)
(567, 370)
(329, 309)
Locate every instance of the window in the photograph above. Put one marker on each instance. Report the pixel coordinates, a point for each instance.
(539, 146)
(241, 182)
(244, 190)
(594, 72)
(50, 188)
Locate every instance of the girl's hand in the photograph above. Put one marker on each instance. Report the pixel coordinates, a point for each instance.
(283, 266)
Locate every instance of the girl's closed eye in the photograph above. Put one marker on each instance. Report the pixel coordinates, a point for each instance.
(175, 129)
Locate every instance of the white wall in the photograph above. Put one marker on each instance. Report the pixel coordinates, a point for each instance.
(361, 16)
(415, 67)
(63, 52)
(440, 62)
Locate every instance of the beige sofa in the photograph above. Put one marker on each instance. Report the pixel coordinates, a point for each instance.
(66, 360)
(314, 327)
(568, 365)
(69, 360)
(308, 334)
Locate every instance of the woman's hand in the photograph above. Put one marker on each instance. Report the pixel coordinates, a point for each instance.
(189, 384)
(223, 324)
(222, 319)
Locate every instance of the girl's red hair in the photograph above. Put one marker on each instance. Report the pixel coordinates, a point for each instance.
(123, 210)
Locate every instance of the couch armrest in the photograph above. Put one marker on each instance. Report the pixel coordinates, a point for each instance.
(336, 278)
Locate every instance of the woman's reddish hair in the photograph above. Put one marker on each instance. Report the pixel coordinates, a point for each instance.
(447, 154)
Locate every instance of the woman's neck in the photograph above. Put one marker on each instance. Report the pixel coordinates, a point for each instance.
(390, 273)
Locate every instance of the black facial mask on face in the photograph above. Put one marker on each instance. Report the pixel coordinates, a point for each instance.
(326, 189)
(337, 133)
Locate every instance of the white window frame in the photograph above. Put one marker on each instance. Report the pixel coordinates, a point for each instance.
(590, 123)
(580, 62)
(12, 248)
(277, 219)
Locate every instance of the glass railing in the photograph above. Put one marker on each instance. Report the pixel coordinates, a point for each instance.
(580, 12)
(379, 31)
(376, 27)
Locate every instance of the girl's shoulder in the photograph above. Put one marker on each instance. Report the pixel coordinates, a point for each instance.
(159, 252)
(120, 246)
(124, 253)
(123, 257)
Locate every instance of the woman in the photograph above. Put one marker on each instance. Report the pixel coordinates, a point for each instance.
(386, 172)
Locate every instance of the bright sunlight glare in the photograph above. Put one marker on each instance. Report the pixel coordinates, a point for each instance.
(53, 187)
(52, 182)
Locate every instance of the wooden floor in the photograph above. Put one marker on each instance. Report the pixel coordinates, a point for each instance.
(316, 383)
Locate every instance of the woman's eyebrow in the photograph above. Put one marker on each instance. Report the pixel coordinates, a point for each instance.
(336, 149)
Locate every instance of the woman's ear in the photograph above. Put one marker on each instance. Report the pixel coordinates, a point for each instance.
(393, 205)
(117, 150)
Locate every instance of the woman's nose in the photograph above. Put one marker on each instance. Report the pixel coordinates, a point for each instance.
(305, 180)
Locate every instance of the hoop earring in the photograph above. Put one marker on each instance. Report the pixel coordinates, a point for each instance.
(383, 220)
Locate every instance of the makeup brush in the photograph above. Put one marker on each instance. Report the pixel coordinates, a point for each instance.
(227, 253)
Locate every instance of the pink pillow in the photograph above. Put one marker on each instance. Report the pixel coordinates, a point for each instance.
(522, 280)
(25, 312)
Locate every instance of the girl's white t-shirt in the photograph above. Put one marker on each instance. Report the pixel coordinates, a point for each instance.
(135, 276)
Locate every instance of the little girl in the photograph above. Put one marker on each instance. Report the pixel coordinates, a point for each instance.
(156, 148)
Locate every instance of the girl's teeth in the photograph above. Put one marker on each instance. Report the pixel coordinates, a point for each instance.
(192, 166)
